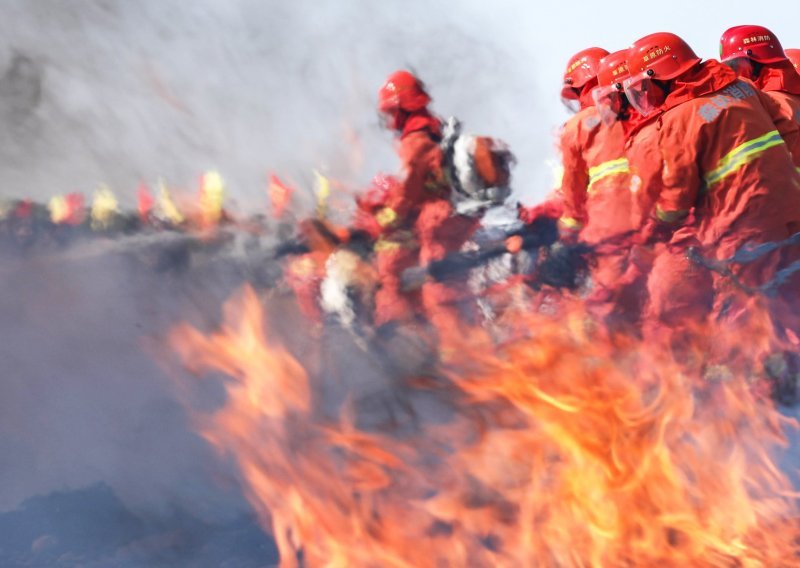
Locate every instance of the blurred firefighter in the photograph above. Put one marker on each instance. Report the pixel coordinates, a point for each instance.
(615, 208)
(595, 184)
(755, 53)
(724, 178)
(417, 220)
(579, 136)
(396, 249)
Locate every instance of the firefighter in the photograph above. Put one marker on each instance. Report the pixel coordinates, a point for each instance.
(725, 177)
(755, 53)
(418, 218)
(396, 249)
(595, 185)
(615, 207)
(578, 137)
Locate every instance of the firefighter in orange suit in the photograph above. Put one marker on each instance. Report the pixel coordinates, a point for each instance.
(726, 178)
(755, 53)
(418, 213)
(396, 249)
(614, 206)
(579, 136)
(595, 185)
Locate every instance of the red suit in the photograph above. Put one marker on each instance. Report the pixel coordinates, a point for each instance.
(418, 211)
(781, 83)
(598, 201)
(756, 54)
(396, 249)
(726, 179)
(420, 207)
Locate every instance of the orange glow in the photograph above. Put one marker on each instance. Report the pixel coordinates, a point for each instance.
(562, 448)
(280, 195)
(212, 198)
(145, 202)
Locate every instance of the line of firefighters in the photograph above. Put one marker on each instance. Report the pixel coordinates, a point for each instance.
(664, 152)
(667, 152)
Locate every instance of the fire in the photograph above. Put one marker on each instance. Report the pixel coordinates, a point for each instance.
(212, 197)
(280, 196)
(105, 208)
(563, 448)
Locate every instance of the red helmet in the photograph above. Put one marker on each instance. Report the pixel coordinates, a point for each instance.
(613, 69)
(663, 53)
(657, 57)
(608, 96)
(402, 91)
(754, 42)
(793, 55)
(581, 69)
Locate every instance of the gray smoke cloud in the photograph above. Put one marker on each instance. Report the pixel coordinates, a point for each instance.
(111, 91)
(83, 400)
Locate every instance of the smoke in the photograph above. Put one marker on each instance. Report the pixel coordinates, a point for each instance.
(116, 92)
(82, 401)
(109, 91)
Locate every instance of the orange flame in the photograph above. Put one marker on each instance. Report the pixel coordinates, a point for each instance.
(145, 202)
(561, 449)
(280, 195)
(75, 206)
(212, 198)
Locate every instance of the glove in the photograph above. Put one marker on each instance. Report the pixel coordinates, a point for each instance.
(514, 244)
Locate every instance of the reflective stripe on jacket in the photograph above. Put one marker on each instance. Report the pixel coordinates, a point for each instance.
(595, 185)
(723, 156)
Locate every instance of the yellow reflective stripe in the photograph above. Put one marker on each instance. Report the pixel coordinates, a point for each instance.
(386, 216)
(570, 222)
(670, 216)
(618, 166)
(742, 155)
(397, 240)
(303, 267)
(383, 245)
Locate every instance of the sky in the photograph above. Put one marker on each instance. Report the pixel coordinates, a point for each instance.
(112, 91)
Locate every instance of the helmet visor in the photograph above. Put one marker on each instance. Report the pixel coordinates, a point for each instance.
(644, 93)
(609, 101)
(742, 66)
(572, 105)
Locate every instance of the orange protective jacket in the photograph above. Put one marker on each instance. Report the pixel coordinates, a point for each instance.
(644, 158)
(781, 83)
(725, 157)
(424, 180)
(595, 185)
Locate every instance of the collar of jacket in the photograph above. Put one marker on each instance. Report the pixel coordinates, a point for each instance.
(703, 79)
(780, 76)
(585, 98)
(636, 121)
(422, 120)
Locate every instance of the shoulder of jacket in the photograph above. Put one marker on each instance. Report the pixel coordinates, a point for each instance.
(589, 118)
(585, 121)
